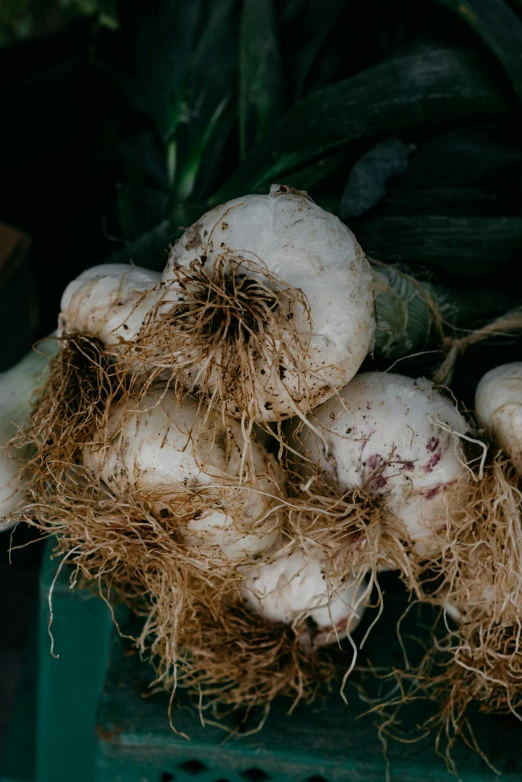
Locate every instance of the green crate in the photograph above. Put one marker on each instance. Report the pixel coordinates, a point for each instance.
(329, 742)
(69, 686)
(326, 743)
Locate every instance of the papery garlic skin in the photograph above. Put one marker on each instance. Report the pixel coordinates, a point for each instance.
(109, 302)
(397, 439)
(162, 448)
(295, 586)
(498, 405)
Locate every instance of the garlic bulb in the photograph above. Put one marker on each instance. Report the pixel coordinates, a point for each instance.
(293, 587)
(393, 437)
(176, 458)
(109, 302)
(293, 278)
(498, 404)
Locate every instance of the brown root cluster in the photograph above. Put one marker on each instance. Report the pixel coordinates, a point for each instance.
(234, 658)
(356, 532)
(197, 632)
(477, 573)
(480, 585)
(81, 384)
(228, 334)
(475, 655)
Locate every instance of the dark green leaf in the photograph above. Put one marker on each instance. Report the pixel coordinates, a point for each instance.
(260, 75)
(150, 250)
(443, 201)
(164, 45)
(474, 307)
(208, 87)
(368, 180)
(469, 246)
(499, 28)
(428, 86)
(139, 209)
(143, 159)
(212, 158)
(461, 156)
(308, 24)
(200, 148)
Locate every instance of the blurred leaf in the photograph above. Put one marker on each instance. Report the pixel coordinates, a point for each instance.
(260, 74)
(430, 85)
(212, 159)
(139, 209)
(443, 201)
(143, 159)
(368, 180)
(208, 87)
(185, 79)
(460, 156)
(499, 28)
(164, 44)
(474, 307)
(193, 159)
(308, 24)
(151, 249)
(469, 246)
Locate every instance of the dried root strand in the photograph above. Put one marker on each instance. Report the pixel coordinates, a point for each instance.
(196, 631)
(356, 532)
(475, 660)
(228, 334)
(478, 571)
(80, 387)
(234, 658)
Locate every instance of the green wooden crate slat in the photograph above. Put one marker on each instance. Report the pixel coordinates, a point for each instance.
(69, 687)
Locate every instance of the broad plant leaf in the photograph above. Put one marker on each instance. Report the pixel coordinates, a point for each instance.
(499, 28)
(260, 73)
(429, 86)
(368, 180)
(469, 246)
(311, 177)
(308, 24)
(461, 156)
(209, 86)
(185, 79)
(444, 201)
(166, 36)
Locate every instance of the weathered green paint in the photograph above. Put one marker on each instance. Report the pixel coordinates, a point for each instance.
(135, 743)
(330, 741)
(69, 687)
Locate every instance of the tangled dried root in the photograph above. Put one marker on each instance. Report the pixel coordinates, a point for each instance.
(477, 575)
(356, 531)
(232, 657)
(475, 657)
(197, 632)
(81, 384)
(230, 334)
